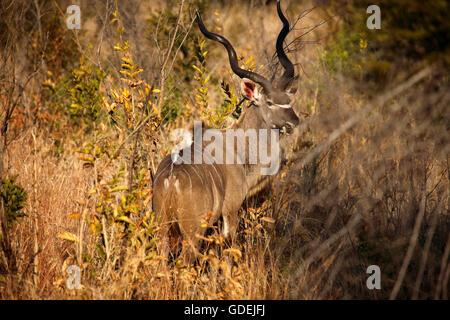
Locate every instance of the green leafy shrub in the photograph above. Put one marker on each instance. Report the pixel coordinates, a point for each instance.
(14, 198)
(118, 152)
(86, 98)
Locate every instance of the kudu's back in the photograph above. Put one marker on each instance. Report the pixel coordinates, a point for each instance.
(185, 195)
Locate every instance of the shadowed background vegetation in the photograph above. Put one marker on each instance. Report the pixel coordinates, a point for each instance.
(86, 115)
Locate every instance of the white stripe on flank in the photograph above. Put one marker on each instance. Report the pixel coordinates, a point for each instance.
(166, 184)
(225, 228)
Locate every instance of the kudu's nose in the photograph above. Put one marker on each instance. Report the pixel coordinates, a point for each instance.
(293, 118)
(291, 123)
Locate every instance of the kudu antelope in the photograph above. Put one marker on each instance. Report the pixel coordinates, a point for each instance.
(186, 194)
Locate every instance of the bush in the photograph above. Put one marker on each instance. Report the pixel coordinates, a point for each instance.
(14, 198)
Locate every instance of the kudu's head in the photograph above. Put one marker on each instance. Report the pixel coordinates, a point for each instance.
(274, 101)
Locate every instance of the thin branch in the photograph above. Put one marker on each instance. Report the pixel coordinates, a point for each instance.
(167, 56)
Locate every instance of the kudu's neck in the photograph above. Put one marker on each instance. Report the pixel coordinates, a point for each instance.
(252, 118)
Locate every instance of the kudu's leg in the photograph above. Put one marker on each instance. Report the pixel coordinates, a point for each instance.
(230, 225)
(230, 215)
(169, 243)
(191, 244)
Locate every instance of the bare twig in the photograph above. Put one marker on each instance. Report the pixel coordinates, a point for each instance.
(444, 265)
(411, 247)
(164, 72)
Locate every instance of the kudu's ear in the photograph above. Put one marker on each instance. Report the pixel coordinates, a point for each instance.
(249, 90)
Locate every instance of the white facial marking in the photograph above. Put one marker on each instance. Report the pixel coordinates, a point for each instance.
(276, 106)
(284, 106)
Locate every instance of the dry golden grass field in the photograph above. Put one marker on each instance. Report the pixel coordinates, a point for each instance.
(86, 116)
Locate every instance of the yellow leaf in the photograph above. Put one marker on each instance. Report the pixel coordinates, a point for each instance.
(68, 236)
(59, 282)
(127, 60)
(110, 107)
(147, 200)
(125, 93)
(233, 251)
(74, 215)
(87, 159)
(156, 91)
(125, 219)
(115, 94)
(119, 188)
(155, 110)
(137, 72)
(92, 191)
(363, 141)
(126, 73)
(267, 219)
(196, 68)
